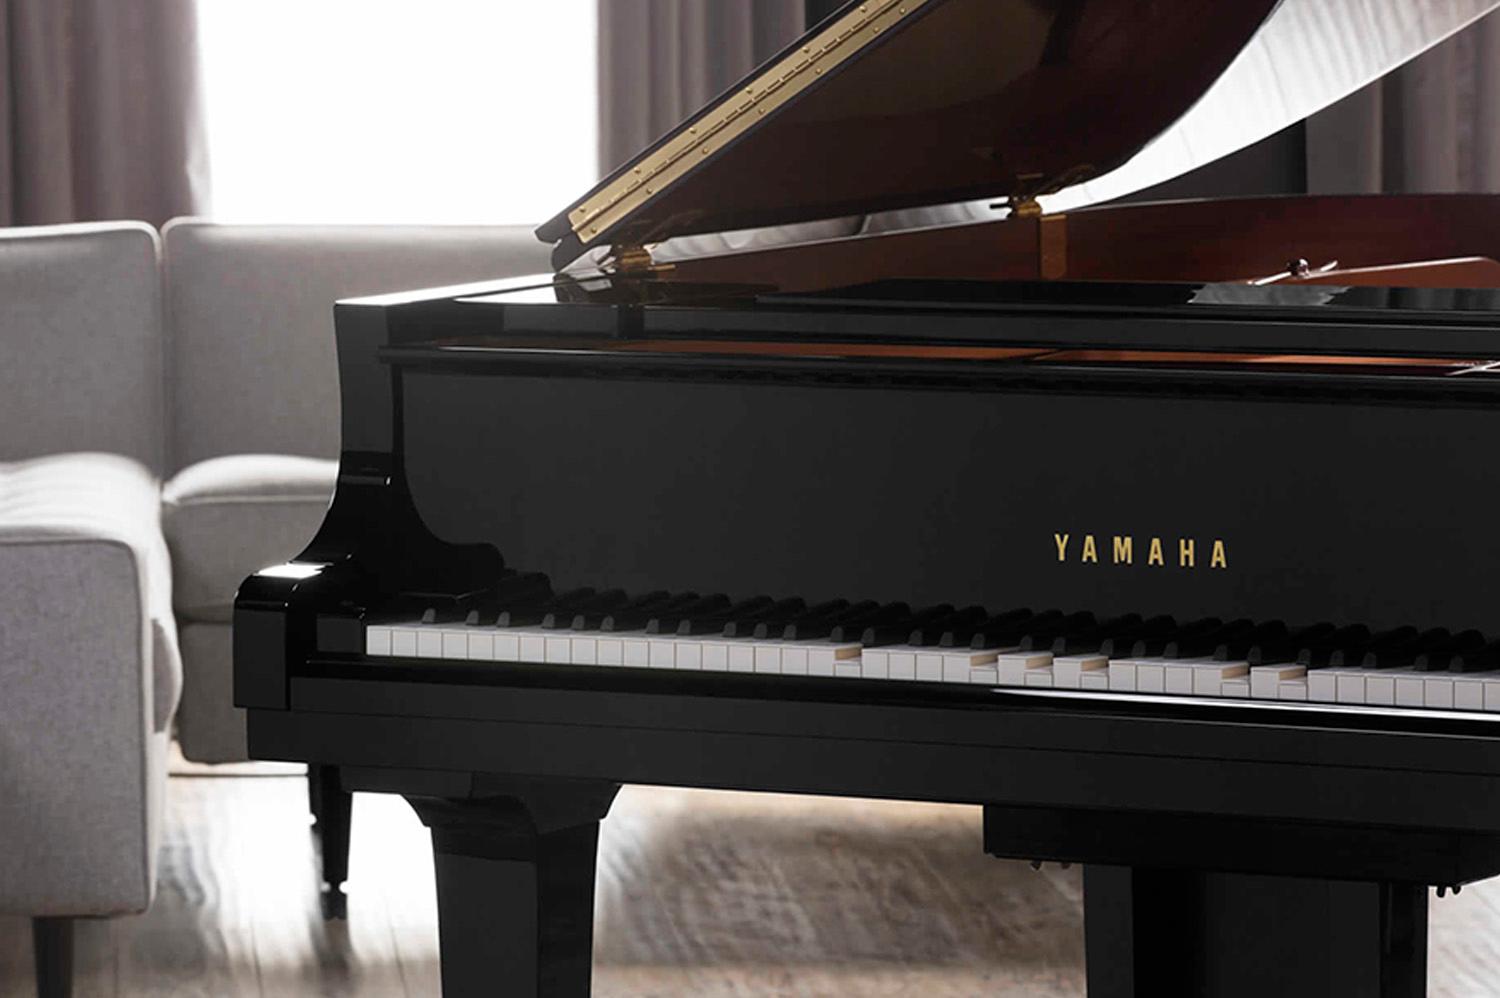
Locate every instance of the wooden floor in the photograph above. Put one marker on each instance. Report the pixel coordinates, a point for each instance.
(699, 894)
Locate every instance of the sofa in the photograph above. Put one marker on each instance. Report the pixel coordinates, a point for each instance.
(170, 425)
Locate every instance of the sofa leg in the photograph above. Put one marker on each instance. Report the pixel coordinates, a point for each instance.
(52, 942)
(330, 804)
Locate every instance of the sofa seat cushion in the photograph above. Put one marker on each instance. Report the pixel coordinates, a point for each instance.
(68, 508)
(228, 517)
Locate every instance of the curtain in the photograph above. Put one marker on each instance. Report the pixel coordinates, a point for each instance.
(662, 60)
(1431, 126)
(99, 111)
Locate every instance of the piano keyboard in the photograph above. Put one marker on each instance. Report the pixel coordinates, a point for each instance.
(1235, 660)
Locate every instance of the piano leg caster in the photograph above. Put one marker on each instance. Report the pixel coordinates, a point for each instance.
(330, 804)
(515, 886)
(1219, 935)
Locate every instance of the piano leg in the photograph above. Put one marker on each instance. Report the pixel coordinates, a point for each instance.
(1160, 932)
(515, 885)
(330, 804)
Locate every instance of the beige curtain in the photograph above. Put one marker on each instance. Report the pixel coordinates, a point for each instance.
(1431, 126)
(99, 111)
(661, 60)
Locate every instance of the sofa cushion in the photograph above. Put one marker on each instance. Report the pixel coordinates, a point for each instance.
(250, 320)
(228, 517)
(80, 327)
(74, 510)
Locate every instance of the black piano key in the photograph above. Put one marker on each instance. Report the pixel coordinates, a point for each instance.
(896, 632)
(1441, 656)
(667, 621)
(1156, 645)
(1316, 654)
(776, 616)
(1482, 659)
(1286, 649)
(531, 616)
(1007, 630)
(1041, 635)
(526, 588)
(1203, 643)
(963, 637)
(1236, 648)
(1120, 644)
(1395, 648)
(813, 627)
(928, 635)
(849, 629)
(1091, 639)
(770, 630)
(635, 618)
(561, 618)
(592, 619)
(713, 622)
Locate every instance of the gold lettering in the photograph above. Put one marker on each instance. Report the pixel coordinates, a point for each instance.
(1186, 556)
(1220, 557)
(1061, 540)
(1090, 552)
(1124, 550)
(1153, 557)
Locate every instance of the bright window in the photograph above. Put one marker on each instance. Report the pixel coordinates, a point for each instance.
(399, 111)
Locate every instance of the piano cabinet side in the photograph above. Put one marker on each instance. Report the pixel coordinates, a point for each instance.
(372, 545)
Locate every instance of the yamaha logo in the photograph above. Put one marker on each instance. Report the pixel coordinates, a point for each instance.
(1152, 552)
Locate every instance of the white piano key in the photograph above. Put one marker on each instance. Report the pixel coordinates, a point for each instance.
(636, 652)
(1264, 679)
(1122, 675)
(741, 656)
(1349, 687)
(1041, 676)
(1323, 684)
(1098, 680)
(915, 663)
(1380, 688)
(1291, 689)
(847, 668)
(768, 658)
(559, 650)
(1068, 670)
(481, 645)
(455, 643)
(404, 642)
(507, 646)
(875, 663)
(1438, 691)
(429, 641)
(1410, 691)
(378, 641)
(611, 651)
(1151, 675)
(661, 652)
(985, 673)
(1491, 693)
(1468, 694)
(690, 656)
(715, 656)
(1013, 666)
(584, 651)
(533, 647)
(1238, 687)
(794, 655)
(1180, 674)
(1210, 676)
(823, 657)
(961, 664)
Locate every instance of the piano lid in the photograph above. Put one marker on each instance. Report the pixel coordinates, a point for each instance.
(907, 103)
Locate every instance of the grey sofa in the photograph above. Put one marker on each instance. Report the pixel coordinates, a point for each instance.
(170, 425)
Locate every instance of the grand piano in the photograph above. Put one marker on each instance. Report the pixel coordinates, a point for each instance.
(864, 443)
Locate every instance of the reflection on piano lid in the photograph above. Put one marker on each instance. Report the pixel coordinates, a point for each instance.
(939, 112)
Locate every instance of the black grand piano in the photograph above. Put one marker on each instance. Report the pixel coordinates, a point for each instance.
(861, 445)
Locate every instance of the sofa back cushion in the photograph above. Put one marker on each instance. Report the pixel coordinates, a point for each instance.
(80, 331)
(250, 320)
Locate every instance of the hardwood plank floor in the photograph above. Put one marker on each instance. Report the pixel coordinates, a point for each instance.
(699, 894)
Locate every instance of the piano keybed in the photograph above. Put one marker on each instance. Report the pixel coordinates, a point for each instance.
(1238, 660)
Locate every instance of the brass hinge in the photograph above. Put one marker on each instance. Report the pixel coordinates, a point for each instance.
(633, 259)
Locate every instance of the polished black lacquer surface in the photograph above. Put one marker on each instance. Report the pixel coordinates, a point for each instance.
(727, 457)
